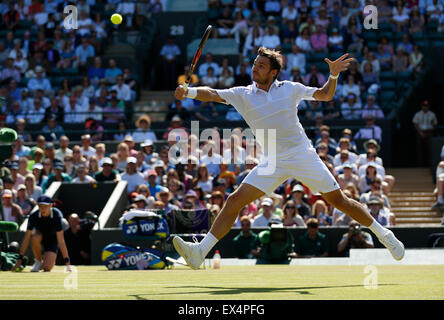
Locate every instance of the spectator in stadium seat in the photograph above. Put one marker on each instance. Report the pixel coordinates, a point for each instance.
(87, 149)
(203, 68)
(322, 151)
(329, 141)
(384, 58)
(342, 158)
(209, 79)
(291, 216)
(434, 10)
(68, 163)
(10, 72)
(351, 108)
(347, 176)
(32, 189)
(132, 176)
(16, 49)
(96, 72)
(78, 158)
(67, 55)
(63, 149)
(37, 113)
(267, 215)
(73, 111)
(83, 52)
(11, 210)
(113, 113)
(39, 82)
(319, 210)
(400, 61)
(176, 129)
(375, 190)
(107, 173)
(371, 148)
(270, 39)
(335, 41)
(82, 176)
(372, 109)
(123, 90)
(112, 71)
(369, 77)
(379, 212)
(9, 41)
(344, 144)
(370, 175)
(297, 195)
(57, 175)
(55, 109)
(303, 41)
(143, 131)
(370, 131)
(14, 114)
(11, 17)
(314, 78)
(312, 243)
(319, 40)
(52, 130)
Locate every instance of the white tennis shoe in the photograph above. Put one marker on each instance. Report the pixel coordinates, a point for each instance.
(190, 251)
(395, 246)
(37, 266)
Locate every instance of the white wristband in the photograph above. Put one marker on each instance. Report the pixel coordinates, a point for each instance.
(192, 93)
(334, 77)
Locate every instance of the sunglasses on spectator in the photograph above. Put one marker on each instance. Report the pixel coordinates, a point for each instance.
(312, 225)
(290, 207)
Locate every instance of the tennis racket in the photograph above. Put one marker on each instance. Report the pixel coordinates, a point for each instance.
(197, 56)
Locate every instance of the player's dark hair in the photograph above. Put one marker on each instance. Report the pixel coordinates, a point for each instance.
(274, 56)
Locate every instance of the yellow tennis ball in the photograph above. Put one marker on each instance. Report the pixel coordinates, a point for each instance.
(116, 18)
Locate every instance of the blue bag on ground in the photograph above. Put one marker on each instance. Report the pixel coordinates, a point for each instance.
(137, 224)
(122, 256)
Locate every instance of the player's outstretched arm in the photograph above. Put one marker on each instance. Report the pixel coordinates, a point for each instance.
(199, 93)
(327, 92)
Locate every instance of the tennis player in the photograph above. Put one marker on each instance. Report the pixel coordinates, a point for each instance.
(271, 104)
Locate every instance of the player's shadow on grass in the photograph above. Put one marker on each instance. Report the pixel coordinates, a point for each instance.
(233, 291)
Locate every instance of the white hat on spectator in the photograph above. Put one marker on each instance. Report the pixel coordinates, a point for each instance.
(267, 202)
(176, 118)
(146, 143)
(128, 137)
(39, 69)
(107, 160)
(131, 160)
(37, 166)
(159, 163)
(298, 187)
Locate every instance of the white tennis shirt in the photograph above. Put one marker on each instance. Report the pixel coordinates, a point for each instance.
(276, 109)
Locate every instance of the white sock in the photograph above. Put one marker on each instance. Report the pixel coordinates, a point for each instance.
(377, 229)
(440, 199)
(207, 243)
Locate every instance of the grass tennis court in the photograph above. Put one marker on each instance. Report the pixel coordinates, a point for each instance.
(229, 282)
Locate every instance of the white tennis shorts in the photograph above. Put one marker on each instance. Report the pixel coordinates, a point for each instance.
(305, 167)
